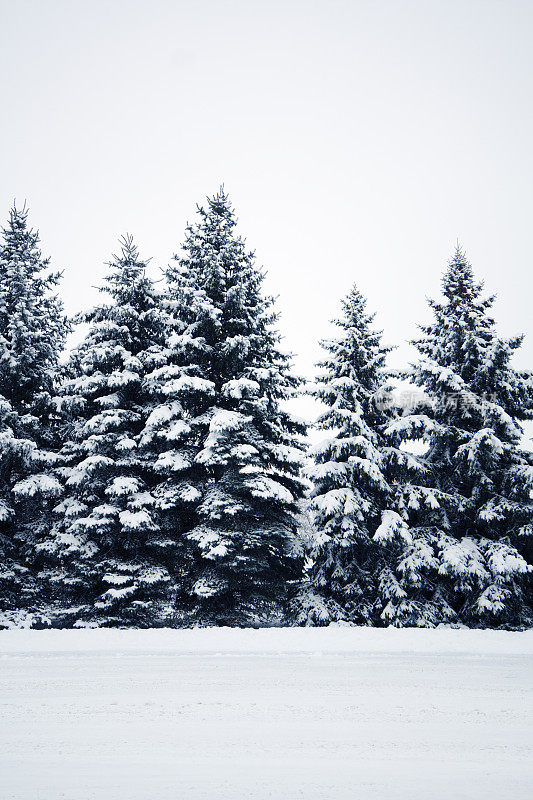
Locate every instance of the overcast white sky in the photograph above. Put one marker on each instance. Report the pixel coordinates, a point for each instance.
(357, 139)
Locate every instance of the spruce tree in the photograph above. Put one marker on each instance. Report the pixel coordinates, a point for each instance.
(472, 514)
(106, 558)
(32, 333)
(229, 451)
(358, 531)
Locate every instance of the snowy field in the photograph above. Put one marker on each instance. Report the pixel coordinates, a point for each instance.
(308, 713)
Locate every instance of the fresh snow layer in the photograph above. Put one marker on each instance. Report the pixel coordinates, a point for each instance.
(264, 641)
(339, 713)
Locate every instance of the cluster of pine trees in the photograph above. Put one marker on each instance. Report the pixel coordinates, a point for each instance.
(156, 477)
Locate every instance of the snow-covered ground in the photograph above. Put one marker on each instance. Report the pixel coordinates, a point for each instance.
(308, 713)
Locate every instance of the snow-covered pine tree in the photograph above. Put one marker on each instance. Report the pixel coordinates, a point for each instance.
(183, 396)
(358, 532)
(229, 451)
(472, 514)
(105, 555)
(32, 333)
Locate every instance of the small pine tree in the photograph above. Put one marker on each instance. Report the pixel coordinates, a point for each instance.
(33, 329)
(472, 514)
(358, 531)
(231, 459)
(105, 556)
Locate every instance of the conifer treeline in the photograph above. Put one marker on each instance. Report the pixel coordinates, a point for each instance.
(157, 478)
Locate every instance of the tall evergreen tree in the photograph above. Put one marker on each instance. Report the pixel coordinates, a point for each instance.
(359, 533)
(229, 451)
(472, 513)
(32, 333)
(106, 562)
